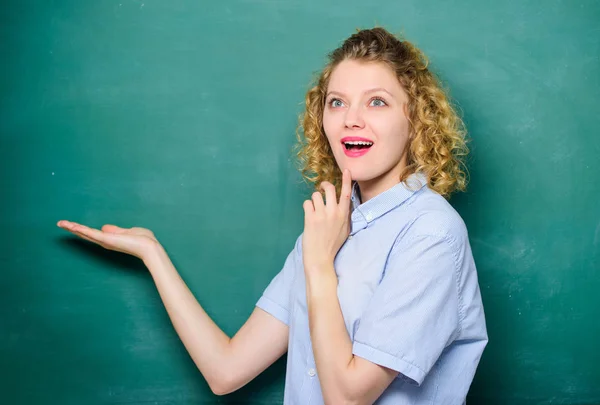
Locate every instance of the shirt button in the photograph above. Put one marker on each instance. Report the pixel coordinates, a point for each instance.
(312, 372)
(349, 237)
(369, 216)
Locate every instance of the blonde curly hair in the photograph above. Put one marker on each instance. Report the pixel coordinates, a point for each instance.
(438, 143)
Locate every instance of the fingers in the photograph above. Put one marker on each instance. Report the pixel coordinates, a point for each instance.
(68, 225)
(313, 205)
(94, 235)
(111, 237)
(309, 208)
(84, 232)
(82, 236)
(329, 190)
(346, 189)
(65, 224)
(318, 202)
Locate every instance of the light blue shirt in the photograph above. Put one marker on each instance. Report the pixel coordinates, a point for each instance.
(409, 294)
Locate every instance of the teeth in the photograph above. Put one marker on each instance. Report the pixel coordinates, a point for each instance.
(358, 143)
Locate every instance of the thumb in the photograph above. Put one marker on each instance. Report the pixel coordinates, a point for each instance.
(113, 229)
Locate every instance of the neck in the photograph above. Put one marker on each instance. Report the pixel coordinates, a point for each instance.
(373, 187)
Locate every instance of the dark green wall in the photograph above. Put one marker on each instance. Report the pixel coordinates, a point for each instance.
(179, 116)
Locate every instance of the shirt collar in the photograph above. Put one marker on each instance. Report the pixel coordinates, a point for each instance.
(363, 214)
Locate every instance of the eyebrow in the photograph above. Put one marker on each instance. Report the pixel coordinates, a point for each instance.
(366, 92)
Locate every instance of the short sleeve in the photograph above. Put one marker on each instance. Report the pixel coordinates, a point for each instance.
(276, 298)
(413, 314)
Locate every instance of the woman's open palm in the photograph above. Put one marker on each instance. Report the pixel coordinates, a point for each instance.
(133, 241)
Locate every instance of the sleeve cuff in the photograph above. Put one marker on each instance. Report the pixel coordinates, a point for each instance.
(387, 360)
(274, 309)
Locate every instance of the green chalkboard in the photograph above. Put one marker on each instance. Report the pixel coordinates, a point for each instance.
(179, 116)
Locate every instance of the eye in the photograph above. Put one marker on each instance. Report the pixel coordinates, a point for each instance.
(377, 102)
(335, 103)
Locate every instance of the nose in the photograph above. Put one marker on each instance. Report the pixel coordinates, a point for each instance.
(354, 118)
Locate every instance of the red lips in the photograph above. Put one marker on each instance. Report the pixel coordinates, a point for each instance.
(355, 146)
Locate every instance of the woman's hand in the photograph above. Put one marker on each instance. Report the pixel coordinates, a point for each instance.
(326, 225)
(133, 241)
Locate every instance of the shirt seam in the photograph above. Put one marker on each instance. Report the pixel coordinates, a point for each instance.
(437, 388)
(271, 301)
(392, 355)
(457, 270)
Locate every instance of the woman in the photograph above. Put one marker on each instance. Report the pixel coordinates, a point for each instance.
(379, 299)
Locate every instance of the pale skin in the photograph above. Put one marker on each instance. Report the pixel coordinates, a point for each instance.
(227, 363)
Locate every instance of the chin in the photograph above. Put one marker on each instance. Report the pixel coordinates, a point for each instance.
(361, 175)
(371, 176)
(364, 171)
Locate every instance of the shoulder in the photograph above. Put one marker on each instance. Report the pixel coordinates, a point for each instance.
(297, 249)
(433, 216)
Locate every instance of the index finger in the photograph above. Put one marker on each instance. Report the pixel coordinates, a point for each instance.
(346, 188)
(91, 234)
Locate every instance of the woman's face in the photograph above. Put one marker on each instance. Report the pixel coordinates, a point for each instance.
(365, 122)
